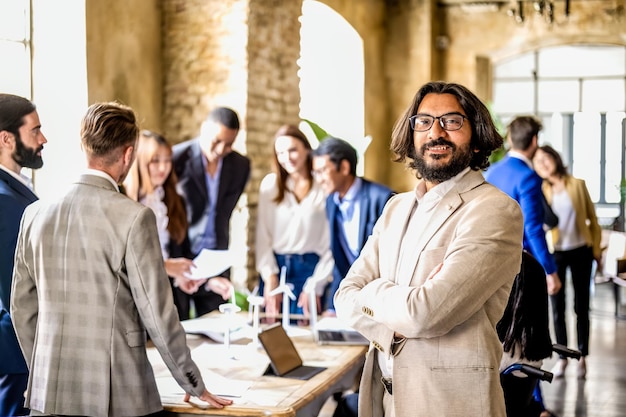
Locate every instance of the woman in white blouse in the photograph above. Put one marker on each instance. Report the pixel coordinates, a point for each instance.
(152, 182)
(292, 230)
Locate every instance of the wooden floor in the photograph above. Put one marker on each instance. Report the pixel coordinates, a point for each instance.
(603, 392)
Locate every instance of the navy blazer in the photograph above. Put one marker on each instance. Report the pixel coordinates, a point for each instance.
(187, 159)
(14, 197)
(372, 198)
(522, 183)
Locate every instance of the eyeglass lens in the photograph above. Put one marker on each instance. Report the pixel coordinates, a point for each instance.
(423, 122)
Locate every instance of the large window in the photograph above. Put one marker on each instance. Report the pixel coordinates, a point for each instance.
(15, 73)
(579, 92)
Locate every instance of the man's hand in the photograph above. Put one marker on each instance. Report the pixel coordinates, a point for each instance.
(189, 286)
(272, 302)
(212, 400)
(221, 286)
(554, 283)
(178, 267)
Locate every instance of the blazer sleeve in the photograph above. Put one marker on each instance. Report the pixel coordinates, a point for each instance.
(24, 300)
(154, 301)
(530, 200)
(478, 266)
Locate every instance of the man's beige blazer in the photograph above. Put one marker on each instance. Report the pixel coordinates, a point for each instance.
(88, 282)
(448, 365)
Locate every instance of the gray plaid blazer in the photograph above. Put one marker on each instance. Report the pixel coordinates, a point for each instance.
(88, 283)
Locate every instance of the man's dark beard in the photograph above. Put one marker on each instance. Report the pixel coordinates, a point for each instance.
(26, 157)
(461, 158)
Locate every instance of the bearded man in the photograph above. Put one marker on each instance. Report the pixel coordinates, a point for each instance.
(21, 143)
(434, 277)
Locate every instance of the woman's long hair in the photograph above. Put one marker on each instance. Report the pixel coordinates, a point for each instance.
(138, 184)
(281, 174)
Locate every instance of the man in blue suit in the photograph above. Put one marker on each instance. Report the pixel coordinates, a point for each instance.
(211, 178)
(21, 142)
(515, 175)
(352, 207)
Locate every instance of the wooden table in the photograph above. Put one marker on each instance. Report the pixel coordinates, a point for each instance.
(243, 365)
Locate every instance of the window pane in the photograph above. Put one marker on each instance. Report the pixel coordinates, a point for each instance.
(13, 20)
(513, 97)
(581, 61)
(613, 156)
(15, 78)
(519, 66)
(558, 96)
(586, 152)
(603, 95)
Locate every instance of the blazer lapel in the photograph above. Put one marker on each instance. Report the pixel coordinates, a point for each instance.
(198, 172)
(364, 201)
(19, 188)
(450, 202)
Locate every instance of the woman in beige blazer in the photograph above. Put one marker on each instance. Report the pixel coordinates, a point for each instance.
(576, 243)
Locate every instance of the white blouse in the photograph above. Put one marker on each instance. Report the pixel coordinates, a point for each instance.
(154, 200)
(293, 228)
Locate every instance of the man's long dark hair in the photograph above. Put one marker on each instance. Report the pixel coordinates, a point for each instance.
(485, 136)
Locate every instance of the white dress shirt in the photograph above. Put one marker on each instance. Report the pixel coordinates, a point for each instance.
(292, 227)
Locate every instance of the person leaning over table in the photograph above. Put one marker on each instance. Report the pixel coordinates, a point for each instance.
(211, 178)
(152, 182)
(88, 283)
(434, 277)
(352, 207)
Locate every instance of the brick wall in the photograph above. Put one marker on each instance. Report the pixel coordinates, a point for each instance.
(241, 54)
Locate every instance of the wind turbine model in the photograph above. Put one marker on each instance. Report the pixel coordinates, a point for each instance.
(285, 289)
(255, 301)
(229, 309)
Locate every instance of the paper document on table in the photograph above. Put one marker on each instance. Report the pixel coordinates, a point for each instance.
(215, 383)
(215, 327)
(210, 263)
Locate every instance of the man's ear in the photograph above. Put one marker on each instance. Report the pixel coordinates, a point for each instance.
(344, 167)
(5, 138)
(129, 155)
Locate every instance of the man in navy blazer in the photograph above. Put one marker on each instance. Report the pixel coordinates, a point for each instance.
(211, 178)
(21, 142)
(514, 175)
(352, 207)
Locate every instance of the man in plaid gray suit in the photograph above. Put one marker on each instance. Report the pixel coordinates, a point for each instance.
(89, 282)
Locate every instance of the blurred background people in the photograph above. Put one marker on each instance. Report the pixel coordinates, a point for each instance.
(352, 207)
(576, 242)
(292, 230)
(21, 143)
(152, 182)
(514, 174)
(211, 178)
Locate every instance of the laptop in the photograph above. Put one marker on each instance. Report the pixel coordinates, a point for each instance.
(332, 331)
(285, 361)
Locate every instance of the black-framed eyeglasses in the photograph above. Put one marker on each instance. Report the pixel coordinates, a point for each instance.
(423, 122)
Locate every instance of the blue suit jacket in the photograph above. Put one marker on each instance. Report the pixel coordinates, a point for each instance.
(522, 183)
(14, 197)
(372, 198)
(187, 158)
